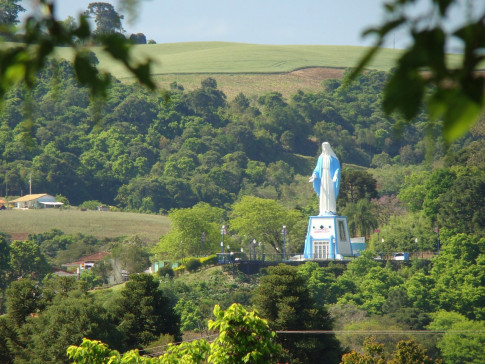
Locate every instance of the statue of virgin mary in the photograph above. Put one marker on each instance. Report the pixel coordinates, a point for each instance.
(326, 180)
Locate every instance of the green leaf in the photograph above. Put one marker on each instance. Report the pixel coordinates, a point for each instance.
(404, 93)
(461, 115)
(83, 30)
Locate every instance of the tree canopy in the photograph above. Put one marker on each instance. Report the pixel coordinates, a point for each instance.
(106, 18)
(450, 93)
(9, 15)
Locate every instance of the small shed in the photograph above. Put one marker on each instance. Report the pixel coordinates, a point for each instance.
(40, 200)
(358, 245)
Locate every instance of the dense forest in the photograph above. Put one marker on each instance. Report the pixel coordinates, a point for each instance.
(196, 146)
(207, 161)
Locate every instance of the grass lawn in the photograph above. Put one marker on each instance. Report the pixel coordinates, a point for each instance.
(20, 223)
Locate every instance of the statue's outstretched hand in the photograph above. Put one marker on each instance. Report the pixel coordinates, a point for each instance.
(335, 176)
(311, 178)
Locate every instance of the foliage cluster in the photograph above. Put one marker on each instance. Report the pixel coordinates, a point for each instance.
(154, 155)
(243, 337)
(44, 318)
(364, 295)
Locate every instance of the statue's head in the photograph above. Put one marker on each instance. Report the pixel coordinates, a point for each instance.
(326, 149)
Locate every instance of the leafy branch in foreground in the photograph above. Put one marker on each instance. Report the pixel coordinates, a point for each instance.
(243, 338)
(456, 93)
(22, 61)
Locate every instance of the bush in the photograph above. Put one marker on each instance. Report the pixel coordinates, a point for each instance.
(166, 270)
(63, 199)
(193, 265)
(180, 270)
(90, 205)
(210, 260)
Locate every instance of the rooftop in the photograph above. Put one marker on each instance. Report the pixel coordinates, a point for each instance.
(29, 197)
(95, 257)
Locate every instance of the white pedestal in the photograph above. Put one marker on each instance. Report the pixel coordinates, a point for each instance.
(327, 238)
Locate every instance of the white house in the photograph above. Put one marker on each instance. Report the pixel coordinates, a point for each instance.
(40, 200)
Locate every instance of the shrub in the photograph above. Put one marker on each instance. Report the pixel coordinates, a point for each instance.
(166, 270)
(63, 199)
(193, 265)
(180, 270)
(210, 260)
(90, 205)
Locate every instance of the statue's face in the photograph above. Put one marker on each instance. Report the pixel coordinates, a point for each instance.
(326, 148)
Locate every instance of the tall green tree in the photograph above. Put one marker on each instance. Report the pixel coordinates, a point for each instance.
(144, 312)
(284, 299)
(361, 217)
(66, 321)
(370, 290)
(106, 18)
(321, 282)
(9, 14)
(462, 340)
(27, 260)
(194, 231)
(23, 298)
(459, 275)
(262, 220)
(4, 268)
(356, 185)
(462, 207)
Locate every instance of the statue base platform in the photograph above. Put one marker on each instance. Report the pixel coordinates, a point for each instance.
(327, 238)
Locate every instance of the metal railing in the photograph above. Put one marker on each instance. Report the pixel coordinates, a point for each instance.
(230, 258)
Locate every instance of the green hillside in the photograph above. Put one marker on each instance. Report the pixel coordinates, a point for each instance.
(221, 57)
(252, 69)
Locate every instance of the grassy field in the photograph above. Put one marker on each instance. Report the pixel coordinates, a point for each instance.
(253, 85)
(252, 69)
(20, 223)
(223, 57)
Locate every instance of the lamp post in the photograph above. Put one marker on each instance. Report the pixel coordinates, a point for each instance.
(284, 231)
(223, 232)
(254, 248)
(416, 241)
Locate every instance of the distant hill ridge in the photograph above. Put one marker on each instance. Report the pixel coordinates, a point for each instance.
(252, 69)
